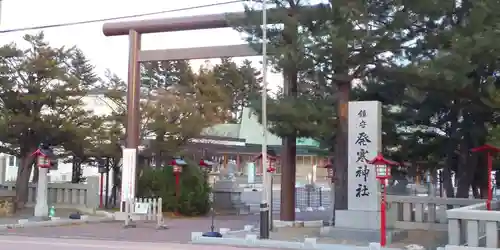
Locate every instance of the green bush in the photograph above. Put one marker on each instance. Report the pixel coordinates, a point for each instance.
(160, 182)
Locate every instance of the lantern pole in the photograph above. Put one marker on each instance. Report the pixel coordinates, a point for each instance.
(41, 206)
(490, 189)
(382, 170)
(177, 187)
(489, 149)
(382, 213)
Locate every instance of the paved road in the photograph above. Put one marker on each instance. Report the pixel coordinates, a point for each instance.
(179, 230)
(16, 243)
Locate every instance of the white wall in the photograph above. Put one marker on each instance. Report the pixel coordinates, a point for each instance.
(99, 104)
(62, 174)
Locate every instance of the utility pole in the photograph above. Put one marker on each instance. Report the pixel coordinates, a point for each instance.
(1, 11)
(265, 214)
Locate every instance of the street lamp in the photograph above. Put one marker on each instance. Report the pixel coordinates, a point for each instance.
(489, 149)
(382, 172)
(177, 165)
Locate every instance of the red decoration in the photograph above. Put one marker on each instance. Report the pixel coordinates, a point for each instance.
(271, 161)
(380, 160)
(486, 147)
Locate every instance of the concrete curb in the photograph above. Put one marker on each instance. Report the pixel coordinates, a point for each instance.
(251, 240)
(276, 224)
(310, 223)
(97, 212)
(228, 231)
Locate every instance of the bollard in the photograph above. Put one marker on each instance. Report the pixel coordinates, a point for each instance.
(52, 212)
(264, 223)
(128, 214)
(321, 207)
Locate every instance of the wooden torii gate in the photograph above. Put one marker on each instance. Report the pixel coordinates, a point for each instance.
(134, 29)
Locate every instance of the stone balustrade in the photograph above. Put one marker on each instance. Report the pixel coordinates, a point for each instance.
(473, 227)
(422, 212)
(65, 195)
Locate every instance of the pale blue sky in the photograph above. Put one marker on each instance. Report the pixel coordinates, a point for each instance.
(112, 52)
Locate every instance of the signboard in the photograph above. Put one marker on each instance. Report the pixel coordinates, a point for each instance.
(141, 207)
(364, 142)
(128, 174)
(250, 172)
(217, 142)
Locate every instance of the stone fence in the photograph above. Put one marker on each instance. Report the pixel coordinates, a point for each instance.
(422, 212)
(65, 195)
(473, 227)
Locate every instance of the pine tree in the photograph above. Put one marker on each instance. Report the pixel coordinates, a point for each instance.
(41, 89)
(240, 83)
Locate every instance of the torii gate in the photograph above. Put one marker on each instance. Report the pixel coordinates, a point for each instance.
(134, 29)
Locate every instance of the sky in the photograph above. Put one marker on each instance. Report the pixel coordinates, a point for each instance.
(112, 52)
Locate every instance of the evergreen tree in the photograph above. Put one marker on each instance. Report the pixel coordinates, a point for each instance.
(240, 83)
(449, 84)
(41, 89)
(329, 46)
(287, 54)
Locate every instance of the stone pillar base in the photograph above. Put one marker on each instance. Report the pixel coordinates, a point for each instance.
(357, 219)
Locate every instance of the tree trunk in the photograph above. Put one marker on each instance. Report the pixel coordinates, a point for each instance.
(452, 160)
(23, 177)
(36, 172)
(289, 155)
(340, 160)
(76, 171)
(447, 183)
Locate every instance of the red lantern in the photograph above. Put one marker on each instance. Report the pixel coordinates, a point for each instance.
(383, 172)
(42, 158)
(177, 169)
(382, 166)
(177, 165)
(206, 165)
(327, 163)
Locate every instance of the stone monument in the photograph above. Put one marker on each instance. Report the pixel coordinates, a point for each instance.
(362, 219)
(227, 193)
(7, 203)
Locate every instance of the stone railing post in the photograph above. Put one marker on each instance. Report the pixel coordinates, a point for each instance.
(92, 198)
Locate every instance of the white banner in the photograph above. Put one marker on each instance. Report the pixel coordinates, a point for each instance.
(128, 173)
